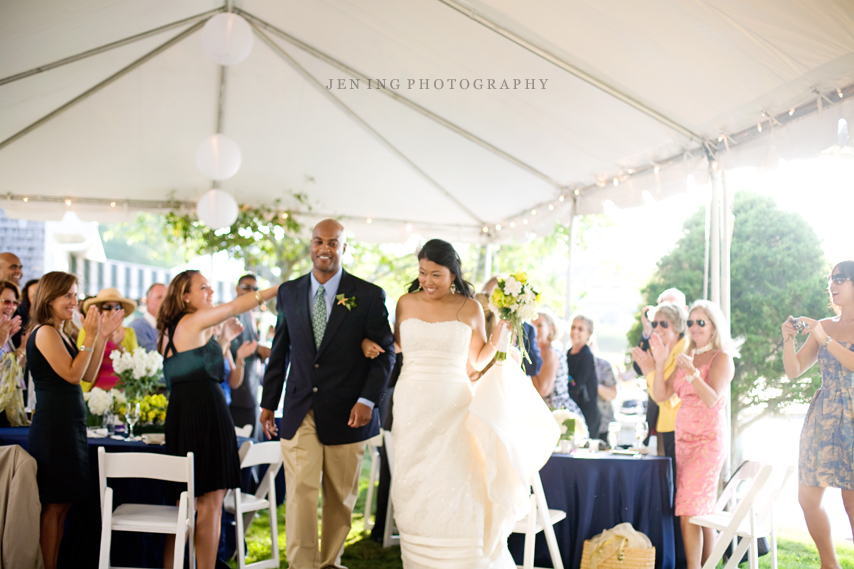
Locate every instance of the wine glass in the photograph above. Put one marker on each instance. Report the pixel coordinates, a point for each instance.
(613, 434)
(132, 417)
(641, 431)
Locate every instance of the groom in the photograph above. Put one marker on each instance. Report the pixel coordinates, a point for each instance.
(332, 391)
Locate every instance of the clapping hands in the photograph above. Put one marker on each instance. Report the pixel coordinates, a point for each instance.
(231, 329)
(644, 360)
(9, 327)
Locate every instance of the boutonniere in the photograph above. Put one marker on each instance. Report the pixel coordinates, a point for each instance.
(348, 303)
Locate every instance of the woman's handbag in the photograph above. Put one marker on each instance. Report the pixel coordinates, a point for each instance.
(611, 550)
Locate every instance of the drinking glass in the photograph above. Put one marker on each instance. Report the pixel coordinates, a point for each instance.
(132, 417)
(641, 431)
(613, 434)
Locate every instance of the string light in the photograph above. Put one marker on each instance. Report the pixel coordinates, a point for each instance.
(791, 112)
(631, 171)
(656, 169)
(533, 212)
(369, 221)
(112, 204)
(616, 181)
(721, 138)
(68, 203)
(498, 227)
(512, 224)
(485, 229)
(26, 200)
(285, 215)
(409, 227)
(759, 127)
(551, 207)
(839, 92)
(561, 198)
(577, 192)
(525, 221)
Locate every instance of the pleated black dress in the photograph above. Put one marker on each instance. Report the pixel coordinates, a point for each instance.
(57, 438)
(198, 419)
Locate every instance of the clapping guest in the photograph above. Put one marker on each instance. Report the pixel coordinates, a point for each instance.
(701, 380)
(583, 384)
(552, 382)
(123, 339)
(57, 437)
(11, 377)
(826, 455)
(28, 297)
(668, 322)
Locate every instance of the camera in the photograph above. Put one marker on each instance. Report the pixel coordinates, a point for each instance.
(799, 324)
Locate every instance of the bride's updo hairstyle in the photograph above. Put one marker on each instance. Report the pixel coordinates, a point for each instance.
(443, 253)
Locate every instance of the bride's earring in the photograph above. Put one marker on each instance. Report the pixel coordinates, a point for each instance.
(453, 288)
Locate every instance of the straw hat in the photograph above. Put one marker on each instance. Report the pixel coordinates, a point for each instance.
(110, 295)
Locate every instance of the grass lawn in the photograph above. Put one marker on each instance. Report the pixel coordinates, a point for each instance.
(795, 549)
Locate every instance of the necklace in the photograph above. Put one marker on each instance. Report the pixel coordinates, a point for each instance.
(703, 350)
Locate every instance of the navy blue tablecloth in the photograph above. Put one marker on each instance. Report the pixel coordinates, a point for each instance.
(600, 491)
(82, 539)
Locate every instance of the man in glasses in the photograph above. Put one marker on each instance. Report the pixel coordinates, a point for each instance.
(146, 325)
(244, 399)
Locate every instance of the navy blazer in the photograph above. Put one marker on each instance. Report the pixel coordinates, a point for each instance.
(329, 380)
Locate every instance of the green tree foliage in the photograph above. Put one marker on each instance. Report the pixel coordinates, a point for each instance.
(777, 269)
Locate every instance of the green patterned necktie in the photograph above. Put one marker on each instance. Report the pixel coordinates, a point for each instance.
(318, 316)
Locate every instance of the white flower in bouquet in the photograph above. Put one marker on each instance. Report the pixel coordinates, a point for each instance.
(512, 286)
(99, 401)
(515, 300)
(563, 417)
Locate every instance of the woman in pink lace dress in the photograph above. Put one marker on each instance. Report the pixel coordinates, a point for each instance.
(701, 379)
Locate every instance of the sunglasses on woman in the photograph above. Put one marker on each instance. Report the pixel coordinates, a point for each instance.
(700, 323)
(11, 303)
(664, 324)
(109, 307)
(247, 287)
(837, 279)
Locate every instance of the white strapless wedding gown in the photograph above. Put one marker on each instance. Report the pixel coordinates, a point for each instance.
(462, 458)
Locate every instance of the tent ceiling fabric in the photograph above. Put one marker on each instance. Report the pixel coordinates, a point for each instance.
(712, 67)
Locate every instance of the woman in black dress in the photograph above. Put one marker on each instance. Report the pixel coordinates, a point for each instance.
(198, 419)
(583, 384)
(57, 438)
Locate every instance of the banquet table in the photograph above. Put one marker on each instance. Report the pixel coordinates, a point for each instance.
(599, 491)
(81, 542)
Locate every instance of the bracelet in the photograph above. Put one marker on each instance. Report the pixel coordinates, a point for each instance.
(85, 349)
(240, 365)
(693, 377)
(828, 341)
(259, 298)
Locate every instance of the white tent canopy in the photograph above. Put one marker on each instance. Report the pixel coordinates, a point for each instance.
(644, 92)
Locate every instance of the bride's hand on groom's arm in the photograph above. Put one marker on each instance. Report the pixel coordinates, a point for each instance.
(360, 415)
(371, 349)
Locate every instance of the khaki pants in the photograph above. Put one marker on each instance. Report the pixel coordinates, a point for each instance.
(308, 465)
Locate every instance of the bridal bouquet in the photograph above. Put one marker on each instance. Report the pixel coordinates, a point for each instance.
(572, 427)
(139, 371)
(515, 300)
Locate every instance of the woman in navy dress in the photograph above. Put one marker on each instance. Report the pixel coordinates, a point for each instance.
(198, 419)
(57, 438)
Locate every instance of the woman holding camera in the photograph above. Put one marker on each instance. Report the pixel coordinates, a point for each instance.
(701, 380)
(826, 455)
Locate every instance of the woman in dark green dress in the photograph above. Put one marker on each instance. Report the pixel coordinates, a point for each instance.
(198, 419)
(57, 438)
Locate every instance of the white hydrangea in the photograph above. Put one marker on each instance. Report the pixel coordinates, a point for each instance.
(512, 286)
(562, 415)
(140, 363)
(118, 397)
(99, 401)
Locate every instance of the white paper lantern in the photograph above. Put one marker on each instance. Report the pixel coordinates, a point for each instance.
(217, 209)
(218, 157)
(227, 39)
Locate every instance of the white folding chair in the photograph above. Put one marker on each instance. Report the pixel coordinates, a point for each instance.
(245, 431)
(244, 506)
(539, 519)
(146, 518)
(390, 538)
(742, 521)
(373, 451)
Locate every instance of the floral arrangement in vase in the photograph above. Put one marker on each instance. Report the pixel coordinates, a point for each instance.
(139, 372)
(572, 427)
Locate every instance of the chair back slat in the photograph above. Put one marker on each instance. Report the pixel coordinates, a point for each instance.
(262, 453)
(745, 473)
(146, 465)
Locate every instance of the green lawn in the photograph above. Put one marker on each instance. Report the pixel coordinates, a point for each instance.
(795, 549)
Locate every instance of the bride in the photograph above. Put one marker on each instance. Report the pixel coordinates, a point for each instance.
(462, 457)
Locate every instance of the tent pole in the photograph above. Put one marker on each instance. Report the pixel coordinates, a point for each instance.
(400, 98)
(706, 256)
(361, 122)
(111, 79)
(573, 227)
(715, 238)
(487, 268)
(106, 47)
